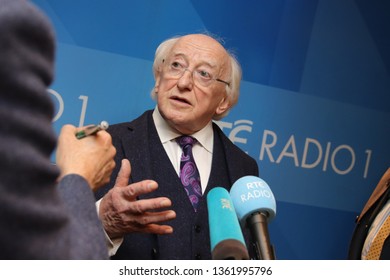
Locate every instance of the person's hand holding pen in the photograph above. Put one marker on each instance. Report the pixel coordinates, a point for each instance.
(91, 130)
(86, 151)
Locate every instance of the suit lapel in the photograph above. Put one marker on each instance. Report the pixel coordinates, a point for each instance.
(234, 170)
(147, 159)
(135, 149)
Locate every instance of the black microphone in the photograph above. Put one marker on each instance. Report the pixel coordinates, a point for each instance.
(255, 206)
(226, 239)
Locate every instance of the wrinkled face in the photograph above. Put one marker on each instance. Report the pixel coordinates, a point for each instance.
(188, 95)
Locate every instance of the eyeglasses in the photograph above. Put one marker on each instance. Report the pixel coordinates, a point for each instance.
(200, 77)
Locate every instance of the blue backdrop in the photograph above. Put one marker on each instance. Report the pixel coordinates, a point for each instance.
(314, 105)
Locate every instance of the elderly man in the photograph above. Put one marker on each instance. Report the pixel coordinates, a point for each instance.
(163, 215)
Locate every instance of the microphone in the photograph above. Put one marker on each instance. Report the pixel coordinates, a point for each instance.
(226, 239)
(255, 205)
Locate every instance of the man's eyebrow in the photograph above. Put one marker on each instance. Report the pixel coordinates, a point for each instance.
(182, 55)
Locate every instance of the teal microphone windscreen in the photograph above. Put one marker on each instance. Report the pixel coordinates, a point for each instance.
(226, 238)
(251, 194)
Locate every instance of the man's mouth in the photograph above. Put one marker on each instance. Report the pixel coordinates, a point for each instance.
(181, 100)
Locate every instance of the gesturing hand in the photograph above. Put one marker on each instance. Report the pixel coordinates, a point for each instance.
(121, 212)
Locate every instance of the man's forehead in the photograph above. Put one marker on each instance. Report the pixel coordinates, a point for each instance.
(200, 42)
(200, 47)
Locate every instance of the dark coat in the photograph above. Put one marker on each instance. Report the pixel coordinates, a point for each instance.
(38, 220)
(138, 141)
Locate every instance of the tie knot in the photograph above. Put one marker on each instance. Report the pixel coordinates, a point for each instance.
(185, 140)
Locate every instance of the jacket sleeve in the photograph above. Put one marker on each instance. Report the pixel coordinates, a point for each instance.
(87, 238)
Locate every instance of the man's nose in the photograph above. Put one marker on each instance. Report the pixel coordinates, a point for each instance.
(186, 80)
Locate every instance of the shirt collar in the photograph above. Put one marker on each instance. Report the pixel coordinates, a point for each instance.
(205, 136)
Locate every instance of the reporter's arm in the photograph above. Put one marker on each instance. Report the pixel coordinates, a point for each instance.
(86, 230)
(34, 220)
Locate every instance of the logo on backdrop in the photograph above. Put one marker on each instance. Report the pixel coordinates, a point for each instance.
(316, 154)
(57, 99)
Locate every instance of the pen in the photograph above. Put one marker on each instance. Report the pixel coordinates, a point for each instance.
(91, 130)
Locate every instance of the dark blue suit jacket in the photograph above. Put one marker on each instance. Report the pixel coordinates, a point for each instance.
(138, 141)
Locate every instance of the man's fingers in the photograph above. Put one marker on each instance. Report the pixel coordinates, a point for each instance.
(139, 188)
(144, 205)
(149, 222)
(122, 179)
(154, 217)
(158, 229)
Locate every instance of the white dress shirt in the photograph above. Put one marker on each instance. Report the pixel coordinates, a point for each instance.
(202, 149)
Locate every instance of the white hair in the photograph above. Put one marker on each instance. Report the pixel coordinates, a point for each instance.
(232, 90)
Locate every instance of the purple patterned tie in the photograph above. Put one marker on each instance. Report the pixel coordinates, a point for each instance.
(189, 174)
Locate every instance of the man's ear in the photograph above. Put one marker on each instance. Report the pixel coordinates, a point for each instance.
(223, 106)
(156, 84)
